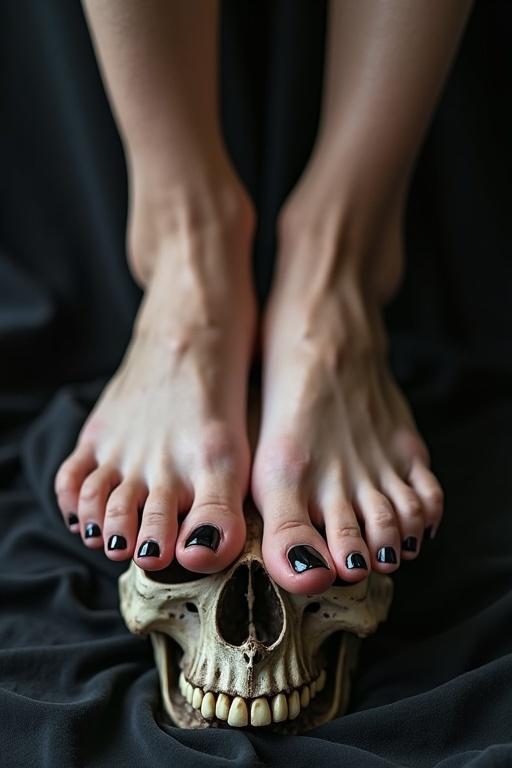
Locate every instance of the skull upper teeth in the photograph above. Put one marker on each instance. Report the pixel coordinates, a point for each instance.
(238, 712)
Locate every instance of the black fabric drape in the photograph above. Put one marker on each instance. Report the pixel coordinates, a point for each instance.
(434, 686)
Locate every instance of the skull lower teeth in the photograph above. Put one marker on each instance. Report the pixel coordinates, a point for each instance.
(239, 712)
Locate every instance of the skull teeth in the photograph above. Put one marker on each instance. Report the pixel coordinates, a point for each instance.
(197, 698)
(238, 716)
(259, 712)
(222, 706)
(293, 705)
(182, 683)
(279, 708)
(208, 706)
(305, 696)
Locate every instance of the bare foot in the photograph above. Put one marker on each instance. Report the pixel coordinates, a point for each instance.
(168, 435)
(338, 449)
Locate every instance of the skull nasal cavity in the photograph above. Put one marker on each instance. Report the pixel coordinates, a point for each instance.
(233, 608)
(249, 607)
(267, 614)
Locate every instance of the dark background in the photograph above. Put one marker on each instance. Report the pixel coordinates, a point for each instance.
(434, 686)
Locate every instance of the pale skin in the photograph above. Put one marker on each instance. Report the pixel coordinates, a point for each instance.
(340, 474)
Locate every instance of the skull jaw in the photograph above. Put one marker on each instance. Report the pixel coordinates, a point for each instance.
(331, 702)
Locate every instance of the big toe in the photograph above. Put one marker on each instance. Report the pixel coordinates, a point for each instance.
(213, 532)
(295, 554)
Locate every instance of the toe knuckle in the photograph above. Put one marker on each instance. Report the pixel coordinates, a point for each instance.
(155, 516)
(162, 495)
(288, 526)
(90, 491)
(412, 508)
(347, 532)
(217, 447)
(434, 500)
(65, 480)
(384, 517)
(117, 510)
(283, 463)
(213, 508)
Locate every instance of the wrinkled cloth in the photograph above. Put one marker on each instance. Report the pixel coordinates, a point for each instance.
(434, 685)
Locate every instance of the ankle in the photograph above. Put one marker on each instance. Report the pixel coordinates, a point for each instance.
(334, 236)
(180, 212)
(319, 254)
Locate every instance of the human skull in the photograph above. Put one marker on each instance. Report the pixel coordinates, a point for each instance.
(235, 649)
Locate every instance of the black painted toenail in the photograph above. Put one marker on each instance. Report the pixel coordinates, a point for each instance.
(430, 532)
(204, 536)
(149, 549)
(72, 519)
(386, 555)
(356, 560)
(116, 542)
(92, 531)
(410, 544)
(303, 558)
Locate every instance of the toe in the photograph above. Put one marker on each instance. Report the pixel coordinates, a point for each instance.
(430, 494)
(409, 513)
(156, 541)
(346, 545)
(295, 554)
(213, 532)
(121, 519)
(381, 529)
(69, 480)
(92, 501)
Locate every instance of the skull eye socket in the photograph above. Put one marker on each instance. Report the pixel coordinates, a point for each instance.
(312, 607)
(191, 607)
(175, 573)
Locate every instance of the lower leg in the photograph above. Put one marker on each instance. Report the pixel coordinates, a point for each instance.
(168, 434)
(160, 66)
(338, 447)
(386, 63)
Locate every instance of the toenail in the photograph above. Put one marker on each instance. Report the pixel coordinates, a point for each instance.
(430, 532)
(356, 560)
(116, 542)
(149, 549)
(386, 555)
(92, 531)
(72, 519)
(303, 558)
(205, 536)
(410, 544)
